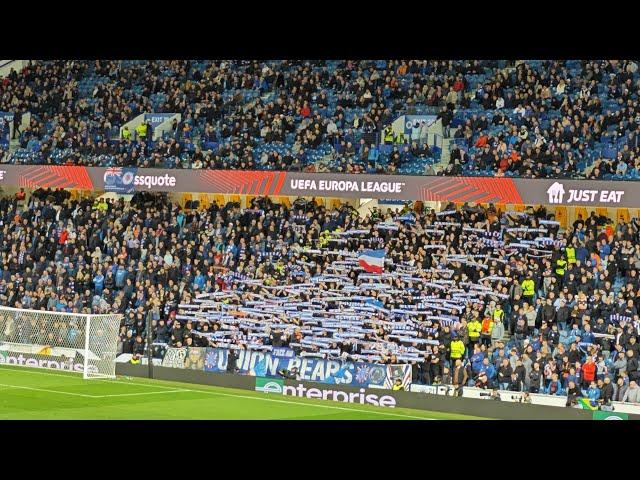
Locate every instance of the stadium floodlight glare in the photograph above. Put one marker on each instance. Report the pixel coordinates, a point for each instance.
(62, 341)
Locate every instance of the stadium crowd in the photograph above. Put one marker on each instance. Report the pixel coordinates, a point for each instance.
(453, 284)
(530, 118)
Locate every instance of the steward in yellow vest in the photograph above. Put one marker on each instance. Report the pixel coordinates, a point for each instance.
(474, 330)
(561, 265)
(398, 385)
(571, 254)
(141, 130)
(528, 288)
(387, 135)
(457, 349)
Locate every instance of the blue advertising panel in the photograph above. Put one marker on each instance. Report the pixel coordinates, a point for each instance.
(155, 119)
(263, 364)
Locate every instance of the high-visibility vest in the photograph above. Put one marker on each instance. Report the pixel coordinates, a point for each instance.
(126, 134)
(457, 349)
(135, 361)
(498, 315)
(399, 138)
(571, 254)
(388, 135)
(528, 288)
(398, 387)
(142, 130)
(474, 329)
(560, 266)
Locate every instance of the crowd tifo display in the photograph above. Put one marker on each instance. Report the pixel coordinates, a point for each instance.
(256, 287)
(542, 118)
(469, 293)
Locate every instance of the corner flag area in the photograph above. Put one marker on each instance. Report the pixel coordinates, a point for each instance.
(34, 394)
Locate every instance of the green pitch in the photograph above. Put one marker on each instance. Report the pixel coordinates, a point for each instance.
(27, 393)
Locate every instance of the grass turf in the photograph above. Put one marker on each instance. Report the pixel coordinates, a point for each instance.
(27, 393)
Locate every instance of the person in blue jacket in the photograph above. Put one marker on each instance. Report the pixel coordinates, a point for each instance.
(574, 333)
(497, 357)
(98, 283)
(199, 280)
(572, 377)
(121, 275)
(587, 336)
(555, 386)
(476, 359)
(593, 392)
(489, 370)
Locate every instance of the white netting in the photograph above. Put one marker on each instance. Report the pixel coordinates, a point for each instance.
(62, 341)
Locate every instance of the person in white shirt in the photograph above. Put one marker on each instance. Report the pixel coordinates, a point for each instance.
(499, 103)
(332, 128)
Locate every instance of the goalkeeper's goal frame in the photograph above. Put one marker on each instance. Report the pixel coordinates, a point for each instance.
(57, 340)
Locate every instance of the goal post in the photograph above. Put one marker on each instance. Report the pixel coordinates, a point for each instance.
(62, 341)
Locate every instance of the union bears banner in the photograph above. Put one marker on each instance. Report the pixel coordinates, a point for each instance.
(261, 364)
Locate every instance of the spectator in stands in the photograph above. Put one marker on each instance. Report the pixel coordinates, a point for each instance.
(632, 394)
(129, 254)
(531, 121)
(573, 393)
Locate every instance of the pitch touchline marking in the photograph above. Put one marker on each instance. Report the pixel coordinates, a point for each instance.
(85, 395)
(312, 405)
(46, 390)
(198, 391)
(118, 382)
(141, 393)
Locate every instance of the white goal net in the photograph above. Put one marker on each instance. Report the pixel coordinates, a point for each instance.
(61, 341)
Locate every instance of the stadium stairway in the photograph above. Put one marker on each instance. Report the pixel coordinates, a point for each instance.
(445, 155)
(14, 144)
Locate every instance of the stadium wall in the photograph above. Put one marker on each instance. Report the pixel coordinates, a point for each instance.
(465, 406)
(394, 187)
